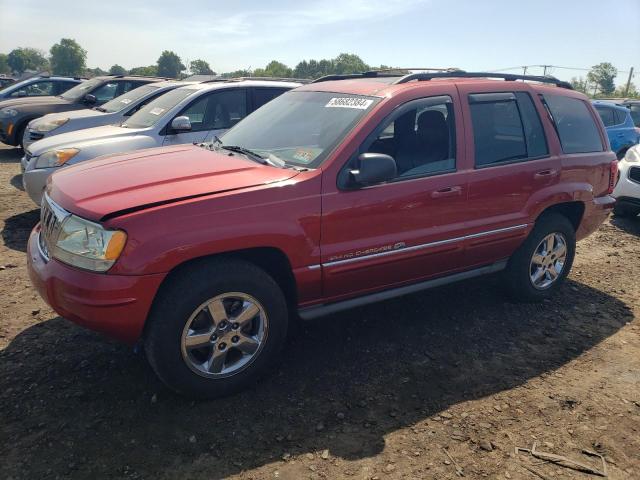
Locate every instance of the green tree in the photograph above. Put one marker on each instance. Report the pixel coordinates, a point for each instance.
(349, 63)
(94, 72)
(200, 67)
(237, 73)
(170, 65)
(579, 84)
(273, 69)
(150, 71)
(602, 78)
(4, 64)
(23, 59)
(117, 70)
(67, 58)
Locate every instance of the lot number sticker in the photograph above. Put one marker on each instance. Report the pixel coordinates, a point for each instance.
(349, 102)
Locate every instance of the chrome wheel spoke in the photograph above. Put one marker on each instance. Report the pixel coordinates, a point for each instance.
(553, 273)
(561, 250)
(217, 360)
(217, 311)
(248, 313)
(537, 275)
(538, 259)
(197, 340)
(247, 344)
(549, 244)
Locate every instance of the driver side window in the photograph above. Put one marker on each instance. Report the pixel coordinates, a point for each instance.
(420, 136)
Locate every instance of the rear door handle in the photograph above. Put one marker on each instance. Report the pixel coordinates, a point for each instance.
(447, 192)
(545, 173)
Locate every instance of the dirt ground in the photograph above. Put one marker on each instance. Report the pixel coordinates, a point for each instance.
(418, 387)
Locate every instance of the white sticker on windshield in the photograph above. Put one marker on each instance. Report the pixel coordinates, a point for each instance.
(349, 102)
(126, 101)
(156, 111)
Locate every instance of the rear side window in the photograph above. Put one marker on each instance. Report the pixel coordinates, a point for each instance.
(621, 116)
(506, 128)
(575, 126)
(606, 115)
(264, 95)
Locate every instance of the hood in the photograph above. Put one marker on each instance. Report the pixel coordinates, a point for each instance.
(130, 181)
(33, 101)
(71, 115)
(85, 138)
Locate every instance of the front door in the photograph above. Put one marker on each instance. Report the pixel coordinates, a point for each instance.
(210, 115)
(408, 229)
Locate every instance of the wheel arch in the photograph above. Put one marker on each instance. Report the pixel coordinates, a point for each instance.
(270, 259)
(573, 211)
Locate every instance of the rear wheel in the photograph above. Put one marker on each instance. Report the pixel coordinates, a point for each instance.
(543, 261)
(216, 328)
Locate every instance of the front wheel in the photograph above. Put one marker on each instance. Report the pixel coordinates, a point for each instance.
(543, 261)
(216, 328)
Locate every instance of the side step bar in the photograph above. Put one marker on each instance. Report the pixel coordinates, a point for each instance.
(315, 311)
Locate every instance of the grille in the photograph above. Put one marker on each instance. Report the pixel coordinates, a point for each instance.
(634, 174)
(51, 217)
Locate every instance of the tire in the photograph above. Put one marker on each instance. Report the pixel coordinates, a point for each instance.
(20, 136)
(625, 212)
(174, 351)
(521, 268)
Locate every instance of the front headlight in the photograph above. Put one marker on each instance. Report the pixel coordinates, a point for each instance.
(633, 155)
(46, 126)
(88, 245)
(56, 158)
(8, 112)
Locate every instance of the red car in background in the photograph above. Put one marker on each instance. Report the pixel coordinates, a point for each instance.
(349, 190)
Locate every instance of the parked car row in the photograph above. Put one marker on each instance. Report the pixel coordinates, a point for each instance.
(320, 197)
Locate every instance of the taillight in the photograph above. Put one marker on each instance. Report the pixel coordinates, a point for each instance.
(613, 176)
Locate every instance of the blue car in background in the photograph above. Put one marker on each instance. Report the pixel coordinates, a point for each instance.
(621, 130)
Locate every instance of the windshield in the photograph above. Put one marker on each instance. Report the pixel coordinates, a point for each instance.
(123, 101)
(152, 112)
(79, 90)
(300, 128)
(635, 114)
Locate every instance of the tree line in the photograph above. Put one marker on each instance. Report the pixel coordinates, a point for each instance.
(68, 58)
(600, 82)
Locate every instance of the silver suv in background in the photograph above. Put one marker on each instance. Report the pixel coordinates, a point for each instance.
(111, 113)
(190, 114)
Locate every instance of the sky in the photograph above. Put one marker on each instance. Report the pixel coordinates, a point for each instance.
(469, 34)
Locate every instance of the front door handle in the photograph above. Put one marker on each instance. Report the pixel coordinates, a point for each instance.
(545, 173)
(447, 192)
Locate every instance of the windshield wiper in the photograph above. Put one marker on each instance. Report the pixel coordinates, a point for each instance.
(246, 152)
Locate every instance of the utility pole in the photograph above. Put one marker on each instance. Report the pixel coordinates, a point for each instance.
(545, 70)
(626, 90)
(524, 70)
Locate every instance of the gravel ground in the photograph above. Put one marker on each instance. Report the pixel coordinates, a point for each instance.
(417, 387)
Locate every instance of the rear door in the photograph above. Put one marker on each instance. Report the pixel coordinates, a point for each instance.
(512, 164)
(408, 229)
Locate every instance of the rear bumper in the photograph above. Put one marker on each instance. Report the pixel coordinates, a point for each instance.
(595, 213)
(115, 305)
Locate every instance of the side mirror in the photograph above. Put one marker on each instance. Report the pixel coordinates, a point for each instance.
(374, 168)
(90, 99)
(181, 124)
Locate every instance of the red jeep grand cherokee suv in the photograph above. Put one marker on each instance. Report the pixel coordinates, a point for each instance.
(348, 190)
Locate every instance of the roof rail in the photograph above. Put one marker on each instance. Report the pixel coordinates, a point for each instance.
(265, 79)
(380, 73)
(503, 76)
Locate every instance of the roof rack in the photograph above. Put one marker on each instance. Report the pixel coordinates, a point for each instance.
(442, 73)
(262, 79)
(503, 76)
(381, 73)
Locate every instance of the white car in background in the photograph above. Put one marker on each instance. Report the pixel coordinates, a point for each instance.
(627, 190)
(190, 114)
(111, 113)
